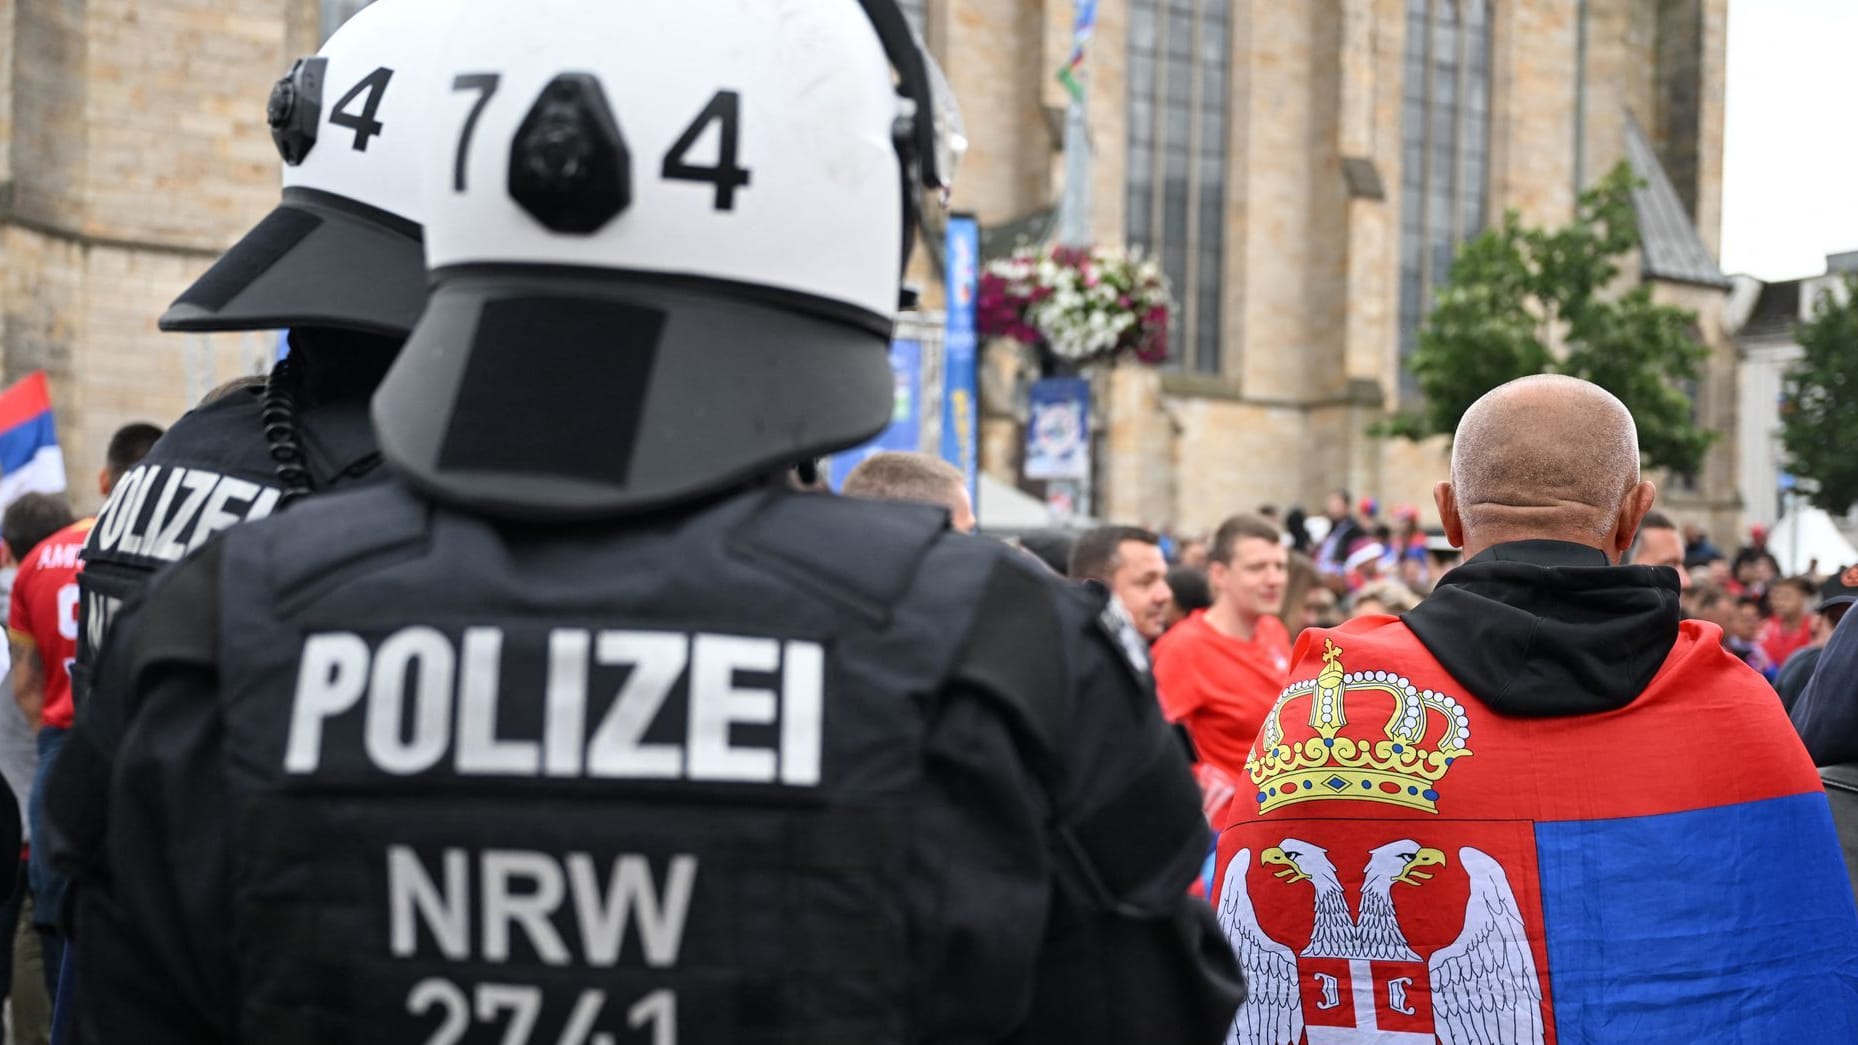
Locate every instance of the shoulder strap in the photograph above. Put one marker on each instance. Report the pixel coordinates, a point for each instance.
(862, 554)
(344, 527)
(1014, 651)
(179, 619)
(1842, 777)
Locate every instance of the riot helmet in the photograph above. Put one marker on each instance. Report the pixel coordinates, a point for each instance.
(665, 244)
(342, 249)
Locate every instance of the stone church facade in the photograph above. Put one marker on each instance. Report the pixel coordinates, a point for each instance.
(1305, 170)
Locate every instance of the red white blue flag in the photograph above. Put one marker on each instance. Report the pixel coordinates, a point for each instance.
(1406, 866)
(30, 460)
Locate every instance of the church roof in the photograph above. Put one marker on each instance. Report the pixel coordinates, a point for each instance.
(1673, 248)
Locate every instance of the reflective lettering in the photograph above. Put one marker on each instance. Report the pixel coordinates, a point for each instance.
(330, 680)
(803, 689)
(212, 503)
(631, 891)
(98, 612)
(479, 750)
(118, 513)
(716, 703)
(522, 892)
(132, 539)
(430, 701)
(521, 1001)
(506, 906)
(167, 543)
(425, 654)
(567, 701)
(214, 517)
(445, 912)
(435, 993)
(658, 660)
(659, 1008)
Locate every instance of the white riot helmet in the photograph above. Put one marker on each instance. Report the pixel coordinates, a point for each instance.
(665, 243)
(342, 249)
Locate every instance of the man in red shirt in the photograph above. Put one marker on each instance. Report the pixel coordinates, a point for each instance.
(42, 626)
(42, 635)
(1220, 670)
(1789, 630)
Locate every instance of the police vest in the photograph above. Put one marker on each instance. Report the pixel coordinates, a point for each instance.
(717, 778)
(212, 470)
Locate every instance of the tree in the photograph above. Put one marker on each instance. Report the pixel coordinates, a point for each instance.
(1821, 401)
(1513, 289)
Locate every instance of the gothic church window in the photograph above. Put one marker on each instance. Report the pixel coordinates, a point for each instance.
(1179, 105)
(1445, 168)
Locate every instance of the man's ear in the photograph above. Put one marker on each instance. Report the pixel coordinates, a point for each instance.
(1632, 509)
(1446, 499)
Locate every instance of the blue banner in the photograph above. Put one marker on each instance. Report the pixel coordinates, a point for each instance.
(906, 418)
(960, 407)
(1058, 429)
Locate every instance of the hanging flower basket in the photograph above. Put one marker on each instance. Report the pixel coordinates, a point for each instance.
(1078, 305)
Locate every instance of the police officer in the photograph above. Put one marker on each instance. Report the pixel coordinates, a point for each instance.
(340, 262)
(587, 729)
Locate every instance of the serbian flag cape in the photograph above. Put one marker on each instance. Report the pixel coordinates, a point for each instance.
(1408, 867)
(30, 461)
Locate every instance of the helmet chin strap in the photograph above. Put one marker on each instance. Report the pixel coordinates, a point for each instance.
(903, 135)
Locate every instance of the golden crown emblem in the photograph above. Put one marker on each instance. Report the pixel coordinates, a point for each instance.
(1396, 768)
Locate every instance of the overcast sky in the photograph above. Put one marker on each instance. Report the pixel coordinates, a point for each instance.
(1790, 158)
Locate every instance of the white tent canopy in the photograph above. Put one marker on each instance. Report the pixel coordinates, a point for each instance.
(1008, 508)
(1005, 508)
(1805, 534)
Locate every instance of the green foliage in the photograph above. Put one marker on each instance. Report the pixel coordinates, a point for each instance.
(1821, 402)
(1512, 288)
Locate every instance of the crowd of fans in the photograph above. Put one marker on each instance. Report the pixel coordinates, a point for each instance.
(1349, 562)
(1220, 614)
(1222, 611)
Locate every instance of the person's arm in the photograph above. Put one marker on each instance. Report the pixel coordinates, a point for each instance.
(28, 676)
(152, 944)
(1131, 956)
(1826, 715)
(153, 938)
(1128, 955)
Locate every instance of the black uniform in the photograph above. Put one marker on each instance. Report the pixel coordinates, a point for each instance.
(780, 768)
(212, 470)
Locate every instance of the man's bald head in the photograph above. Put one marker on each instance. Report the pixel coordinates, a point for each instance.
(1548, 457)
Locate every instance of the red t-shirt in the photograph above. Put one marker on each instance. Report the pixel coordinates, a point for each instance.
(1779, 643)
(44, 613)
(1220, 687)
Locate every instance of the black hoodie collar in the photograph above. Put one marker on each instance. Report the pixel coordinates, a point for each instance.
(1546, 628)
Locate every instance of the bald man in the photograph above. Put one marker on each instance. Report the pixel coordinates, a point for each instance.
(1538, 801)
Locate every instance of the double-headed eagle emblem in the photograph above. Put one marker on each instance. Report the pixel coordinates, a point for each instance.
(1483, 987)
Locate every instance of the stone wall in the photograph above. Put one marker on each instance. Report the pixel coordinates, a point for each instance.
(133, 150)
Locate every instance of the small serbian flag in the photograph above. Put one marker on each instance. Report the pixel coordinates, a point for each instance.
(30, 461)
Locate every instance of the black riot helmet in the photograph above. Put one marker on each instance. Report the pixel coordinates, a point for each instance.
(665, 246)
